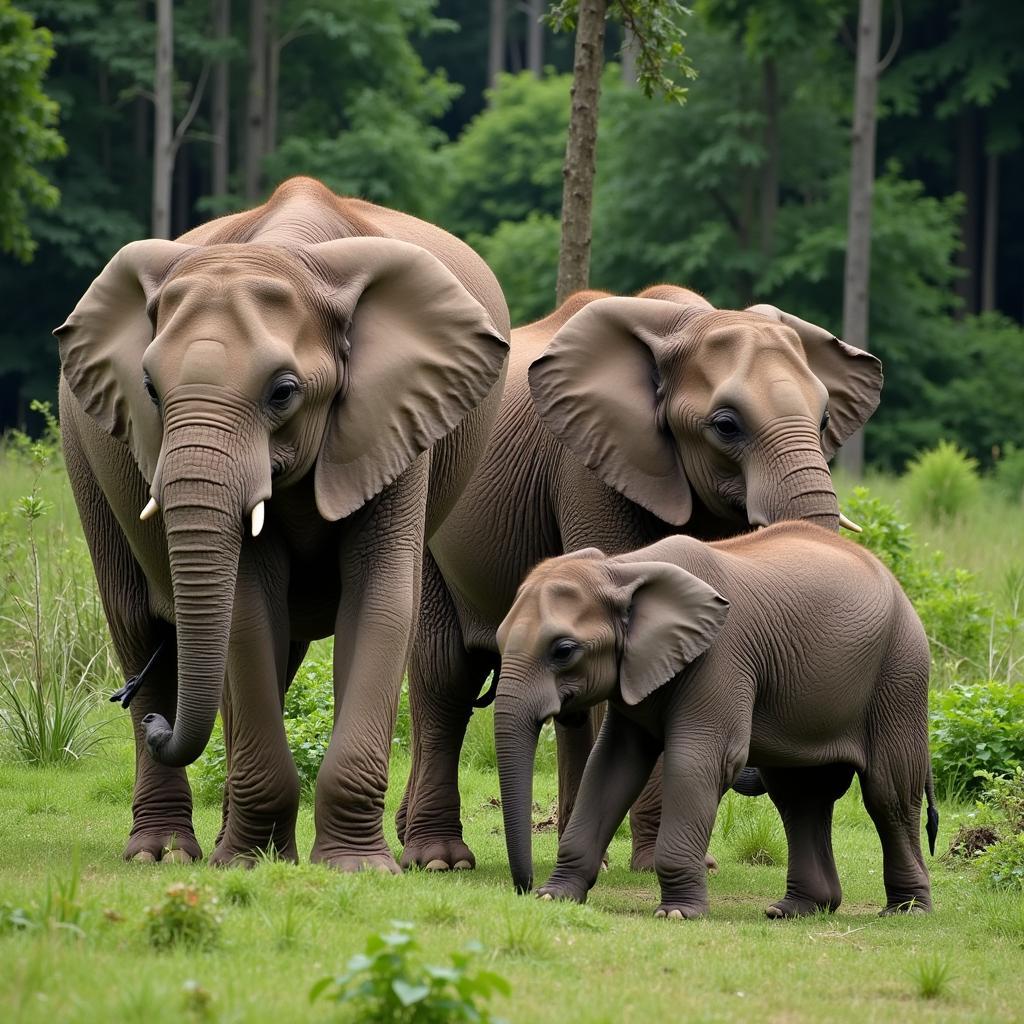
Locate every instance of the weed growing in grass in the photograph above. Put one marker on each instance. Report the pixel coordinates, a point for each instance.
(757, 836)
(238, 889)
(57, 910)
(931, 975)
(942, 483)
(388, 984)
(187, 915)
(288, 925)
(196, 1001)
(524, 934)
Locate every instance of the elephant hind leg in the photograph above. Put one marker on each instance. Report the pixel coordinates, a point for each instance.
(444, 679)
(805, 798)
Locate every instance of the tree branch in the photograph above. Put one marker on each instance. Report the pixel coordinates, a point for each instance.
(197, 98)
(897, 38)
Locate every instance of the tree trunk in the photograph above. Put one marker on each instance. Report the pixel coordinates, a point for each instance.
(857, 276)
(273, 75)
(163, 115)
(991, 237)
(221, 110)
(496, 44)
(256, 100)
(770, 167)
(968, 145)
(628, 58)
(535, 37)
(581, 149)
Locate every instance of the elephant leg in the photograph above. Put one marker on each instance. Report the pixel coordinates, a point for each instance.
(574, 743)
(162, 800)
(805, 798)
(263, 785)
(644, 819)
(444, 679)
(618, 767)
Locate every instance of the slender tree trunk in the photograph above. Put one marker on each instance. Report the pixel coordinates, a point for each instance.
(991, 239)
(535, 37)
(220, 113)
(273, 75)
(496, 43)
(163, 117)
(181, 220)
(968, 183)
(581, 149)
(628, 58)
(256, 100)
(770, 140)
(857, 277)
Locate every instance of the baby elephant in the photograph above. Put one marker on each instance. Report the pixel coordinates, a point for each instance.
(788, 649)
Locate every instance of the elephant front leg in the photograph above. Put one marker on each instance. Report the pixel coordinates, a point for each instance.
(380, 574)
(262, 793)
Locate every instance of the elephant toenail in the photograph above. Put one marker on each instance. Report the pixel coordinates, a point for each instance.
(659, 913)
(436, 865)
(462, 865)
(675, 915)
(546, 896)
(176, 856)
(144, 857)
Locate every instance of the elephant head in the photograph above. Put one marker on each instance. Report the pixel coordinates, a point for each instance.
(231, 371)
(671, 400)
(585, 629)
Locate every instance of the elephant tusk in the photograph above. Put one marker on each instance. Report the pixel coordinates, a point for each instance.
(849, 524)
(150, 510)
(257, 518)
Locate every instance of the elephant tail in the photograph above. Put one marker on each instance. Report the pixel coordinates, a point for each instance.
(932, 817)
(749, 783)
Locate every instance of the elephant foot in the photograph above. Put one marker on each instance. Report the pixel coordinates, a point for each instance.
(795, 906)
(164, 846)
(355, 860)
(438, 855)
(911, 905)
(677, 911)
(564, 888)
(643, 860)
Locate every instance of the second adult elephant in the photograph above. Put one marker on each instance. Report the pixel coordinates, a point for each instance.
(622, 421)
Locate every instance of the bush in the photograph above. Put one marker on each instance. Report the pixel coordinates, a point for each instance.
(1009, 473)
(975, 728)
(942, 483)
(388, 983)
(1001, 866)
(186, 916)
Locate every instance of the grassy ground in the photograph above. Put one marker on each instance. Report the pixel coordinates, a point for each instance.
(285, 927)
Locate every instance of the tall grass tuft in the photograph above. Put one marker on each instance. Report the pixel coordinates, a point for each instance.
(942, 483)
(932, 975)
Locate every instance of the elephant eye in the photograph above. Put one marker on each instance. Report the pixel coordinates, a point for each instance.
(284, 391)
(150, 390)
(824, 421)
(726, 426)
(563, 650)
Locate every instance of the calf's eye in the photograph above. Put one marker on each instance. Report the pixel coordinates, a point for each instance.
(563, 649)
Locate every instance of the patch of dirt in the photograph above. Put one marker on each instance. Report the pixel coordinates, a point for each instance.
(548, 823)
(970, 841)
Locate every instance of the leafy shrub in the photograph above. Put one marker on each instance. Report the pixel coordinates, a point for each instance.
(942, 483)
(1003, 796)
(977, 727)
(388, 984)
(186, 916)
(1009, 473)
(1001, 866)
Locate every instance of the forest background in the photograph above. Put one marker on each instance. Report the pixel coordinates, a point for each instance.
(456, 111)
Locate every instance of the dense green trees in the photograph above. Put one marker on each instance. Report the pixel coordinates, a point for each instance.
(741, 192)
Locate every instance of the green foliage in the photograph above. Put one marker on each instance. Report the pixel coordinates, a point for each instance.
(975, 727)
(942, 483)
(187, 915)
(1003, 796)
(1009, 473)
(389, 984)
(1001, 866)
(27, 133)
(757, 837)
(931, 975)
(57, 910)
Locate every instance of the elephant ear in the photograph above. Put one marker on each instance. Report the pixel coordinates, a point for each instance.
(103, 340)
(421, 354)
(852, 376)
(596, 387)
(672, 618)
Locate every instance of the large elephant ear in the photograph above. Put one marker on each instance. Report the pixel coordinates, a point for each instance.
(596, 387)
(672, 618)
(103, 340)
(421, 354)
(852, 376)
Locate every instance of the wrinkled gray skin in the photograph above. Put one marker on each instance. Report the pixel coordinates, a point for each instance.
(622, 421)
(325, 365)
(791, 650)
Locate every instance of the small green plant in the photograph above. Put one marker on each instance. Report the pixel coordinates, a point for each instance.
(942, 483)
(1003, 797)
(389, 984)
(1001, 866)
(187, 915)
(1009, 473)
(238, 889)
(757, 836)
(975, 728)
(931, 975)
(57, 910)
(197, 1001)
(524, 934)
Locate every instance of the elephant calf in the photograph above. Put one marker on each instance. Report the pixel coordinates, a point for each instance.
(790, 649)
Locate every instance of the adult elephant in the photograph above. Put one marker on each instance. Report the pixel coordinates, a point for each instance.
(623, 420)
(293, 397)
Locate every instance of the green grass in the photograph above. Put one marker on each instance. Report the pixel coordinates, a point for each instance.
(285, 926)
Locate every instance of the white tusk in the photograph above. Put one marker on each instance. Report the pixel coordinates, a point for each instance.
(257, 519)
(151, 509)
(849, 524)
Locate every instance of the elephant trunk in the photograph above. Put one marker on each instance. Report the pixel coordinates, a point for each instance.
(792, 481)
(203, 497)
(516, 731)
